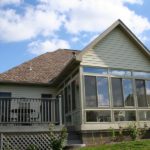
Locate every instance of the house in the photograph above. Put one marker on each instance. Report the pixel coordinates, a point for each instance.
(106, 85)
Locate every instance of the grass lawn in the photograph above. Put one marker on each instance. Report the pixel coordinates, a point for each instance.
(132, 145)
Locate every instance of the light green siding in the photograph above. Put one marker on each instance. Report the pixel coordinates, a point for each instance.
(26, 91)
(116, 50)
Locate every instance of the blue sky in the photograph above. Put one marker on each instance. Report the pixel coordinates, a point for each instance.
(30, 28)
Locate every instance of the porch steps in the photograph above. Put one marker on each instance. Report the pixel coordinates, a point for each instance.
(74, 139)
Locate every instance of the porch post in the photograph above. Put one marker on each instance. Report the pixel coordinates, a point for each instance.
(60, 109)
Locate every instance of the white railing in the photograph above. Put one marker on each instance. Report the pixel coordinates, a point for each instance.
(28, 111)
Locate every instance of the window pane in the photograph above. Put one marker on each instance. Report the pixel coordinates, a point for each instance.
(141, 74)
(46, 96)
(128, 92)
(95, 70)
(77, 92)
(73, 96)
(141, 93)
(103, 97)
(148, 91)
(117, 92)
(66, 100)
(5, 94)
(144, 115)
(69, 98)
(120, 72)
(124, 115)
(98, 116)
(90, 91)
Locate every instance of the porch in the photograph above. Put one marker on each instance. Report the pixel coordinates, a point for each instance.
(30, 114)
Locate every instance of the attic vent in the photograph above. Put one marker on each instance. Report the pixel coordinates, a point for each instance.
(30, 68)
(74, 54)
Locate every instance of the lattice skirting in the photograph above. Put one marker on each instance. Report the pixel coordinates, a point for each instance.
(21, 141)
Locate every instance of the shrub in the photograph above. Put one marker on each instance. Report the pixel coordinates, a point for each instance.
(135, 132)
(57, 140)
(113, 134)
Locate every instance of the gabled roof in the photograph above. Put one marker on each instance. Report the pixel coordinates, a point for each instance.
(120, 24)
(47, 68)
(40, 70)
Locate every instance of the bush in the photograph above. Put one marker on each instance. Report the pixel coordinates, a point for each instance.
(113, 134)
(57, 140)
(135, 132)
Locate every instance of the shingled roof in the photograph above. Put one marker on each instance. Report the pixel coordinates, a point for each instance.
(40, 70)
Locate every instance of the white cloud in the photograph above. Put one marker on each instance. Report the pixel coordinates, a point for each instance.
(133, 1)
(75, 39)
(96, 15)
(39, 47)
(8, 2)
(78, 17)
(34, 22)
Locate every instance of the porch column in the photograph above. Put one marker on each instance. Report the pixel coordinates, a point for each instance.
(60, 109)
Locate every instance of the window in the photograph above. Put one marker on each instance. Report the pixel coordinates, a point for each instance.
(128, 92)
(148, 92)
(144, 115)
(98, 116)
(5, 94)
(141, 74)
(44, 96)
(90, 91)
(46, 107)
(141, 93)
(73, 87)
(122, 91)
(117, 92)
(102, 88)
(67, 99)
(5, 106)
(122, 115)
(120, 72)
(95, 70)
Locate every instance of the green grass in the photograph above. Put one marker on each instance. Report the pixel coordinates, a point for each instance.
(132, 145)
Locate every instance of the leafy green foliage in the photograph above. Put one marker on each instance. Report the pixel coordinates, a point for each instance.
(57, 140)
(113, 134)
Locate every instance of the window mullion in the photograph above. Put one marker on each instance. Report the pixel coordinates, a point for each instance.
(97, 95)
(122, 91)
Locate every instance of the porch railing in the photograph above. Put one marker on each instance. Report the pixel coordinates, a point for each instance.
(28, 111)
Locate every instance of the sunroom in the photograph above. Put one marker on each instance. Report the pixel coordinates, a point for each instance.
(115, 96)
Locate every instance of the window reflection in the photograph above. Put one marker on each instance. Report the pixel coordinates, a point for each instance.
(144, 115)
(102, 88)
(120, 72)
(141, 93)
(95, 70)
(90, 91)
(148, 91)
(98, 116)
(124, 115)
(141, 74)
(117, 92)
(128, 92)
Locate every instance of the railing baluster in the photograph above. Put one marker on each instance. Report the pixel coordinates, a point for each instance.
(60, 110)
(41, 110)
(25, 111)
(54, 121)
(45, 115)
(0, 110)
(7, 109)
(48, 102)
(4, 114)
